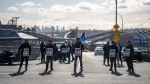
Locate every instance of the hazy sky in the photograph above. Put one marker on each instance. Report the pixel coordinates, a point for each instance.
(85, 14)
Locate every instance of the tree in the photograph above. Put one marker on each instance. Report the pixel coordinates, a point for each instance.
(28, 29)
(20, 27)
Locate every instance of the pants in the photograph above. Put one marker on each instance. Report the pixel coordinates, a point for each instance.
(68, 55)
(42, 56)
(120, 56)
(106, 56)
(129, 61)
(72, 56)
(75, 63)
(22, 59)
(55, 56)
(47, 62)
(63, 55)
(113, 61)
(117, 58)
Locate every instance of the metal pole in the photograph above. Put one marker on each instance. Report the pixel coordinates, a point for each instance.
(122, 21)
(76, 32)
(116, 11)
(53, 26)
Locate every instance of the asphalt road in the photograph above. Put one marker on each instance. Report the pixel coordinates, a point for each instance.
(94, 73)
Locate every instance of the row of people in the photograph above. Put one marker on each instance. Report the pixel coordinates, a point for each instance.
(50, 50)
(62, 53)
(113, 52)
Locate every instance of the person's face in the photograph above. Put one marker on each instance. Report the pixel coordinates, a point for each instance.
(25, 41)
(78, 40)
(128, 43)
(68, 43)
(112, 43)
(50, 42)
(108, 43)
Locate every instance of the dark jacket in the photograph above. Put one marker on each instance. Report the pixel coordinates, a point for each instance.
(114, 47)
(106, 49)
(120, 48)
(69, 46)
(78, 45)
(22, 46)
(42, 47)
(62, 46)
(50, 46)
(131, 49)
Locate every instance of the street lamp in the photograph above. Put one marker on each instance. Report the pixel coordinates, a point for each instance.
(122, 21)
(53, 27)
(116, 11)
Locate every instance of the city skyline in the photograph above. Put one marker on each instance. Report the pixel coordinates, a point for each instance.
(84, 14)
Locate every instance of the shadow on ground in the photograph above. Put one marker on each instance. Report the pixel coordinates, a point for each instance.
(134, 74)
(45, 73)
(17, 73)
(116, 73)
(79, 74)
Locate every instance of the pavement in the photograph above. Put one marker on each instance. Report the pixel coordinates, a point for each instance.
(94, 73)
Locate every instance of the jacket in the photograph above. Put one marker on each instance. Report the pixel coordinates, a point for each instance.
(131, 49)
(78, 45)
(22, 46)
(114, 47)
(50, 46)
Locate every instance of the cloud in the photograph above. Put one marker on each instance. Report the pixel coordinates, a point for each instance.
(29, 10)
(39, 4)
(87, 15)
(82, 6)
(121, 1)
(122, 6)
(12, 9)
(42, 10)
(146, 2)
(29, 4)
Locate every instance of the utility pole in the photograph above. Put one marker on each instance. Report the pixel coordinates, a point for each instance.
(15, 19)
(116, 11)
(76, 32)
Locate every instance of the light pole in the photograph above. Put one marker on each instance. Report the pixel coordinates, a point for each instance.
(122, 21)
(53, 27)
(116, 11)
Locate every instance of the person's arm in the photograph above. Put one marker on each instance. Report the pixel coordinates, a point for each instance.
(104, 48)
(116, 49)
(54, 49)
(20, 47)
(82, 46)
(29, 49)
(132, 50)
(73, 49)
(45, 49)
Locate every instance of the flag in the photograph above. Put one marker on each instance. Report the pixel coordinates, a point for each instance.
(82, 38)
(138, 38)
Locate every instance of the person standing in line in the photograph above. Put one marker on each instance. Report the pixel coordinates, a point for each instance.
(68, 50)
(113, 50)
(129, 56)
(63, 52)
(117, 56)
(56, 54)
(120, 54)
(106, 53)
(50, 51)
(78, 47)
(42, 48)
(24, 51)
(72, 52)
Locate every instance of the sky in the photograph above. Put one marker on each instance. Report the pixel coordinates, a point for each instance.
(84, 14)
